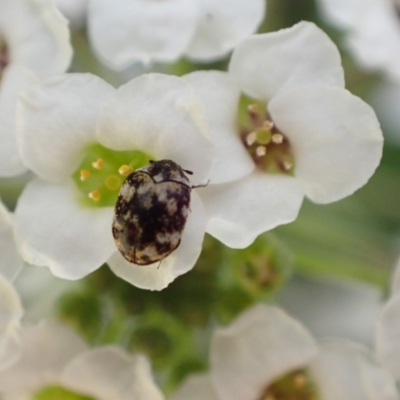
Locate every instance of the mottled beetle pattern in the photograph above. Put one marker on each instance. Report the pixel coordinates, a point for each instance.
(151, 212)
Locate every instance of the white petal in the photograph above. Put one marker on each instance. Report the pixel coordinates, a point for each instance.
(10, 315)
(222, 25)
(40, 291)
(14, 79)
(336, 139)
(260, 346)
(37, 35)
(346, 370)
(387, 336)
(196, 387)
(264, 65)
(75, 11)
(220, 98)
(375, 37)
(345, 308)
(57, 119)
(109, 373)
(158, 276)
(10, 259)
(45, 351)
(342, 13)
(124, 31)
(239, 211)
(160, 115)
(54, 229)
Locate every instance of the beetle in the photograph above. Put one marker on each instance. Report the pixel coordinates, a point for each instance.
(151, 212)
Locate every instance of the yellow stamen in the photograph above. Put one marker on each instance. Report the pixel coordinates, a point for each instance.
(287, 165)
(277, 138)
(268, 125)
(84, 174)
(253, 108)
(251, 138)
(98, 164)
(113, 182)
(299, 380)
(263, 136)
(125, 170)
(95, 195)
(261, 151)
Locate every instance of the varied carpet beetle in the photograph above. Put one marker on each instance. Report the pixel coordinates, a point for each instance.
(151, 212)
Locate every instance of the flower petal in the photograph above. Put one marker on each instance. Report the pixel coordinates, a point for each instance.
(346, 370)
(336, 139)
(387, 336)
(222, 25)
(260, 346)
(57, 121)
(124, 31)
(109, 373)
(239, 211)
(342, 12)
(264, 65)
(40, 292)
(37, 35)
(196, 387)
(54, 229)
(375, 37)
(159, 115)
(10, 315)
(345, 308)
(158, 276)
(220, 98)
(14, 79)
(46, 349)
(75, 11)
(10, 259)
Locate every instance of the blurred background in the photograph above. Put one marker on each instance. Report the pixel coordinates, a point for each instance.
(330, 268)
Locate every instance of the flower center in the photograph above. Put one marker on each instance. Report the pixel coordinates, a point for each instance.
(3, 56)
(102, 172)
(296, 385)
(59, 393)
(268, 147)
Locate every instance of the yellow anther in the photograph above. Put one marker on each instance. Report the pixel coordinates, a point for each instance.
(95, 195)
(251, 138)
(98, 164)
(253, 108)
(125, 170)
(299, 380)
(261, 151)
(113, 182)
(287, 165)
(84, 174)
(277, 138)
(268, 125)
(263, 136)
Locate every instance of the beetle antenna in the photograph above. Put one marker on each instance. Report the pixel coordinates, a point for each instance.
(203, 185)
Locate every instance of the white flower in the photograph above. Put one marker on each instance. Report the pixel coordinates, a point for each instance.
(34, 43)
(10, 303)
(125, 31)
(372, 31)
(55, 360)
(75, 11)
(69, 127)
(265, 354)
(388, 329)
(318, 139)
